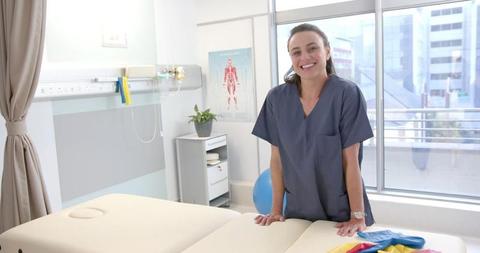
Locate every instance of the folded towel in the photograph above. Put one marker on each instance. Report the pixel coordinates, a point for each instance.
(386, 238)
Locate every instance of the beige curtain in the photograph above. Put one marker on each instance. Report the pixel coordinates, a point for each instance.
(23, 195)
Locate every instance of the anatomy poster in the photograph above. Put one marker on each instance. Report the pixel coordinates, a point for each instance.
(230, 89)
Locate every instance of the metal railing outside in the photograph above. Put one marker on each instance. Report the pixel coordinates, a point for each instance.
(431, 125)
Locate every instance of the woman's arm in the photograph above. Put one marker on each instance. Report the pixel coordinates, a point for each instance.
(353, 177)
(353, 181)
(277, 181)
(277, 190)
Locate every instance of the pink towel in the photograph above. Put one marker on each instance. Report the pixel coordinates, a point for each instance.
(359, 247)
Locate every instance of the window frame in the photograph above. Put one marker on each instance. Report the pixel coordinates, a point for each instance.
(378, 7)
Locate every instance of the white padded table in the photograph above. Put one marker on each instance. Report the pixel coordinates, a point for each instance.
(123, 223)
(118, 224)
(299, 236)
(242, 235)
(322, 236)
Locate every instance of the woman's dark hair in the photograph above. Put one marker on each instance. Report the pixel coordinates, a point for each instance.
(292, 77)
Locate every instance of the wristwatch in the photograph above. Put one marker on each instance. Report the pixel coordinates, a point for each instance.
(358, 215)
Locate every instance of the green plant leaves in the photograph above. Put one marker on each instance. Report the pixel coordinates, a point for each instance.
(202, 117)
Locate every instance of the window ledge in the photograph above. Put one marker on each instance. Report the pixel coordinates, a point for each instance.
(425, 200)
(444, 216)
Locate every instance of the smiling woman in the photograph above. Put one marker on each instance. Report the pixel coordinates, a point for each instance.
(316, 151)
(309, 52)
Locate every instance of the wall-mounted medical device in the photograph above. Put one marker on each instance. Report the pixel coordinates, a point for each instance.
(94, 81)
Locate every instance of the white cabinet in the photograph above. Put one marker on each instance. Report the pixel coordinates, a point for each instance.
(203, 181)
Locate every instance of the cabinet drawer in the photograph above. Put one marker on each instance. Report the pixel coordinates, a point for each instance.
(215, 142)
(217, 189)
(217, 173)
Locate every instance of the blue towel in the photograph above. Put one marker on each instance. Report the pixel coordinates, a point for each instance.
(119, 87)
(386, 238)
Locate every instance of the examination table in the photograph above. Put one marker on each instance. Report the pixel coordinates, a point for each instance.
(120, 223)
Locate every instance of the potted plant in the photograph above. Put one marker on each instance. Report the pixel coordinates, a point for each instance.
(203, 121)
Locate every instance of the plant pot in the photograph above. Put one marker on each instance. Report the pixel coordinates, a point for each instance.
(204, 129)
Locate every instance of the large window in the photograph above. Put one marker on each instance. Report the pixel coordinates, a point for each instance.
(431, 91)
(432, 125)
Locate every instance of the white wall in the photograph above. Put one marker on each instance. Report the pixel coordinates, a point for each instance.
(176, 44)
(176, 31)
(175, 109)
(75, 31)
(216, 10)
(174, 23)
(264, 80)
(239, 25)
(74, 35)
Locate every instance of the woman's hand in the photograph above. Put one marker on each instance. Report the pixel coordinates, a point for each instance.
(349, 228)
(265, 220)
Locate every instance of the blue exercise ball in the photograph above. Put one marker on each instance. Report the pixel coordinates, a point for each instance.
(262, 193)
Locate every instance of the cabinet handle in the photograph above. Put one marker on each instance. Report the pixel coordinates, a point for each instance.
(219, 168)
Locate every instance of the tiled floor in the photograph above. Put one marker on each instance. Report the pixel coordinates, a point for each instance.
(473, 244)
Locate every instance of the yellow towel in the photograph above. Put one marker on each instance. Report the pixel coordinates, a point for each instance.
(344, 247)
(128, 98)
(398, 248)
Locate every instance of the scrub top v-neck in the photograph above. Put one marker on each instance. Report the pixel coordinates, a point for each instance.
(311, 146)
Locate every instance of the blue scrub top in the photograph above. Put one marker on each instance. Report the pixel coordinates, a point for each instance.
(311, 147)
